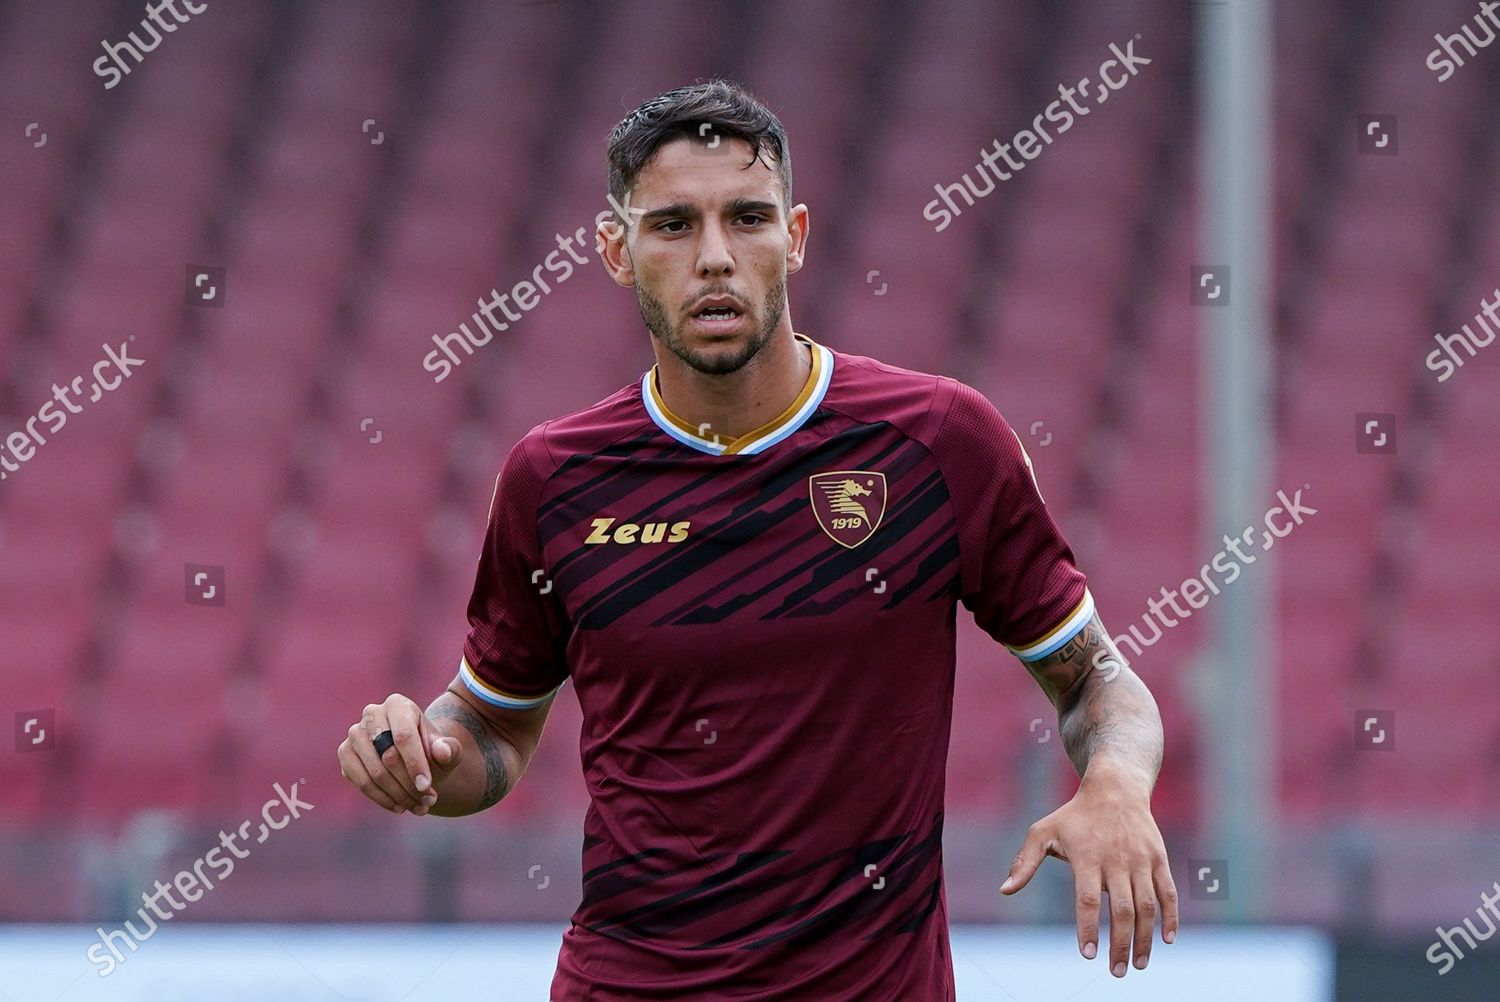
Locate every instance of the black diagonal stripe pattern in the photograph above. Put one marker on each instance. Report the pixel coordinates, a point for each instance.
(630, 453)
(715, 541)
(728, 890)
(698, 610)
(586, 561)
(607, 881)
(611, 881)
(603, 490)
(942, 556)
(930, 497)
(708, 897)
(900, 876)
(712, 896)
(949, 586)
(910, 922)
(827, 566)
(730, 580)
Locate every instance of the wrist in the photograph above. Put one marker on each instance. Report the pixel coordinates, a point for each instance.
(1117, 777)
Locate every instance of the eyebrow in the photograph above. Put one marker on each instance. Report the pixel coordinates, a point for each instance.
(735, 207)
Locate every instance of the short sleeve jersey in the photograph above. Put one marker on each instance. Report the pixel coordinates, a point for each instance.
(760, 633)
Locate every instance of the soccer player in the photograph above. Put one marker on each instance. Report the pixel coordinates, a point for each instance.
(748, 562)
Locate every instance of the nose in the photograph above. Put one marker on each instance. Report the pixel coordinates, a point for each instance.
(714, 257)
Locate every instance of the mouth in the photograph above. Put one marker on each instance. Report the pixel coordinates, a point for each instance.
(718, 315)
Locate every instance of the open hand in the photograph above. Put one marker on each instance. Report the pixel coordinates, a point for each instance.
(1107, 835)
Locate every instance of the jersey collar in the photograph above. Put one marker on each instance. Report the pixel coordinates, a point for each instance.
(761, 438)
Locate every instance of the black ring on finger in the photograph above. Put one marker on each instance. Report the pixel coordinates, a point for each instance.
(383, 742)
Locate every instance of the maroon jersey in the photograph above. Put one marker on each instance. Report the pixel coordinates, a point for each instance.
(760, 633)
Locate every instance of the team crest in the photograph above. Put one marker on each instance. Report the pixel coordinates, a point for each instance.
(848, 503)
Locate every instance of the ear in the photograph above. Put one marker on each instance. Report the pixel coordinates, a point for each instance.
(796, 228)
(610, 240)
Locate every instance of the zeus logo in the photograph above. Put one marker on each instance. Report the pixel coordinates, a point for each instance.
(631, 532)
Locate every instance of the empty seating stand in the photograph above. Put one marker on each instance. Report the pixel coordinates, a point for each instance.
(365, 173)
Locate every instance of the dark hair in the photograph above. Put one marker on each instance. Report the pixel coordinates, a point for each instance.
(728, 110)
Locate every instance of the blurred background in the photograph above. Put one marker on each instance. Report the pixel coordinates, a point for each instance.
(274, 520)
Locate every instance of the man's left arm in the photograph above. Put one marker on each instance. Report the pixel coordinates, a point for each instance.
(1112, 732)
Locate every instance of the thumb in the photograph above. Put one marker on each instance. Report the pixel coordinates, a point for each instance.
(1026, 862)
(445, 752)
(442, 750)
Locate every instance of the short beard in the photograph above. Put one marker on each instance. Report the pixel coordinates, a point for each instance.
(655, 316)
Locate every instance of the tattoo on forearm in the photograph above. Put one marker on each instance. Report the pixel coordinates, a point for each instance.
(496, 779)
(1103, 707)
(1059, 672)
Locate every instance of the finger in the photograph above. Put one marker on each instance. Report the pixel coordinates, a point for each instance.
(1166, 893)
(353, 769)
(1026, 862)
(375, 723)
(1121, 920)
(1145, 916)
(1086, 907)
(372, 724)
(375, 769)
(404, 722)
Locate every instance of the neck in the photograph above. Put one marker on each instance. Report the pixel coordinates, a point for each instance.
(734, 403)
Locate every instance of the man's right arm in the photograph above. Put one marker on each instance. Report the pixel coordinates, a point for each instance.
(495, 747)
(459, 757)
(470, 747)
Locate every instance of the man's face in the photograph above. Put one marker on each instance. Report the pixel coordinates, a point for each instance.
(708, 251)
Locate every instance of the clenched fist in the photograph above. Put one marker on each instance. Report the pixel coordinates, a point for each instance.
(402, 778)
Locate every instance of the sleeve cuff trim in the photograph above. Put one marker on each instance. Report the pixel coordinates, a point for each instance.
(499, 697)
(1061, 634)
